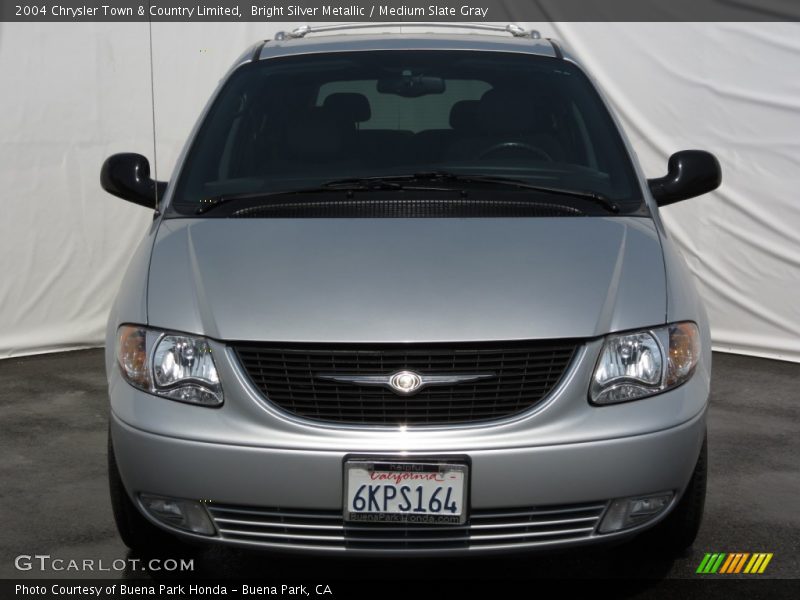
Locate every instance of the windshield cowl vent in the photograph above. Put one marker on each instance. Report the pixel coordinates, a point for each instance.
(406, 209)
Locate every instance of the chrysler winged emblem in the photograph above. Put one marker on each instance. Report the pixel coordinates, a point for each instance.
(405, 383)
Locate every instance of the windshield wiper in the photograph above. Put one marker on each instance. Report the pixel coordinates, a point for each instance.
(401, 182)
(380, 182)
(383, 182)
(353, 184)
(209, 204)
(594, 197)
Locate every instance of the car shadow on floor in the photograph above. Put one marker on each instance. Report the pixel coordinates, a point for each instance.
(626, 561)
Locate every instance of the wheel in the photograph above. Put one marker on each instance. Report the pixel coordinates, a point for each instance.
(518, 147)
(677, 532)
(136, 531)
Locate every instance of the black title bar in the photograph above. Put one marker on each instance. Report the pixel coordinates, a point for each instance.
(302, 11)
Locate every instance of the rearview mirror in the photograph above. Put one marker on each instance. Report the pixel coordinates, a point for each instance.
(127, 176)
(689, 174)
(411, 86)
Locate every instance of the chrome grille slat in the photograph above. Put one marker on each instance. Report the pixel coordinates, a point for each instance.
(294, 536)
(532, 523)
(280, 524)
(334, 515)
(416, 539)
(525, 373)
(505, 515)
(526, 534)
(486, 529)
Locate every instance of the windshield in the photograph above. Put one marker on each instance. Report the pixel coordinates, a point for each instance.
(294, 123)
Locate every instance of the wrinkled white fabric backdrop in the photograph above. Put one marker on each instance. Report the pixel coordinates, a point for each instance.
(73, 94)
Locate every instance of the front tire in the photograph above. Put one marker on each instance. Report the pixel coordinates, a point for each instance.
(678, 531)
(136, 531)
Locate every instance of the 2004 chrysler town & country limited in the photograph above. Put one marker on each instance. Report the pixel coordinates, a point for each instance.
(408, 294)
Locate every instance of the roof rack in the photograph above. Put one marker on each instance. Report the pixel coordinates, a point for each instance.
(512, 28)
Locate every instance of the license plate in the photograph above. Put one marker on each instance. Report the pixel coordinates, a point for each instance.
(405, 492)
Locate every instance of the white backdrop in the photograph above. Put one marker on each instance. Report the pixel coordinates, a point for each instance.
(74, 93)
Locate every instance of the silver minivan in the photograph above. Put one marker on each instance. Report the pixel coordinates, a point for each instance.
(408, 294)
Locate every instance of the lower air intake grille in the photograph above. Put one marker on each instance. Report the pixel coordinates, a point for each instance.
(521, 374)
(496, 529)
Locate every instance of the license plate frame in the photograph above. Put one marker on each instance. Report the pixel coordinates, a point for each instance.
(443, 467)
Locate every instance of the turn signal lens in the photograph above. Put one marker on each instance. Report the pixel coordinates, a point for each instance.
(132, 355)
(684, 352)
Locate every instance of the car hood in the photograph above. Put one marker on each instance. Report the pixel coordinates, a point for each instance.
(399, 280)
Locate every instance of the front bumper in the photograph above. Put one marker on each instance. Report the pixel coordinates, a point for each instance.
(520, 498)
(539, 480)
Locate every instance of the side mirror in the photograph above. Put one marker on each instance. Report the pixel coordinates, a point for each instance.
(689, 174)
(127, 176)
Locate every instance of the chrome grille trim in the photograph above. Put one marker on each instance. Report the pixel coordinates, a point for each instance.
(325, 530)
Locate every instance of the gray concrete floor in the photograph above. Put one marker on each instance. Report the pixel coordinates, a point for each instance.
(54, 498)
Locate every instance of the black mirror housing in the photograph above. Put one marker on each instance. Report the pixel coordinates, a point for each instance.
(690, 173)
(127, 176)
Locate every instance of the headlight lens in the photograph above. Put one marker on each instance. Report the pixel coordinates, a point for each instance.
(179, 367)
(635, 365)
(183, 369)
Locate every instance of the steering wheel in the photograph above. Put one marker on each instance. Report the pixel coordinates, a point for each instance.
(518, 146)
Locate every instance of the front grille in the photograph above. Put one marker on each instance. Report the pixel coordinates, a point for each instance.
(525, 372)
(496, 529)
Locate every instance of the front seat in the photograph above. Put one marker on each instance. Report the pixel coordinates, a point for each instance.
(384, 147)
(316, 137)
(511, 124)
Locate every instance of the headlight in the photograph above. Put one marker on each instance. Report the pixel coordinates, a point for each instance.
(642, 363)
(179, 367)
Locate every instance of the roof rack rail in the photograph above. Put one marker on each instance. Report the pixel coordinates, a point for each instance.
(512, 28)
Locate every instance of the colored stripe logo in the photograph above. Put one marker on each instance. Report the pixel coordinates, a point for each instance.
(734, 562)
